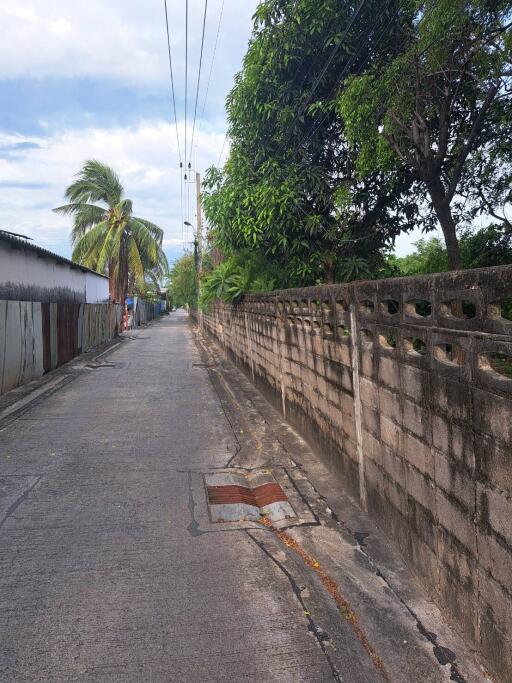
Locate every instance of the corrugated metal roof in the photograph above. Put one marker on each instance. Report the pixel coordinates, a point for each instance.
(19, 243)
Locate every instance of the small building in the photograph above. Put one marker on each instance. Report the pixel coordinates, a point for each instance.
(31, 273)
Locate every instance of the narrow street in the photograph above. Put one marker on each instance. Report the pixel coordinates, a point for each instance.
(112, 570)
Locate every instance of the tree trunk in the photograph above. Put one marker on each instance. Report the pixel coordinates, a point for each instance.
(111, 279)
(122, 274)
(330, 270)
(448, 226)
(118, 276)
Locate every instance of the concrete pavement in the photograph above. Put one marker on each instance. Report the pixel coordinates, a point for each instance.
(110, 569)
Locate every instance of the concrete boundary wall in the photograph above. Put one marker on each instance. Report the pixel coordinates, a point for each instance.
(405, 387)
(37, 337)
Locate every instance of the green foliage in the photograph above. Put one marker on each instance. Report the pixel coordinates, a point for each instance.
(440, 110)
(108, 237)
(182, 287)
(280, 192)
(353, 268)
(238, 275)
(490, 246)
(430, 257)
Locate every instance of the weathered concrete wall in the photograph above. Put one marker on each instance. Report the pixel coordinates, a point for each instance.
(30, 276)
(37, 337)
(398, 385)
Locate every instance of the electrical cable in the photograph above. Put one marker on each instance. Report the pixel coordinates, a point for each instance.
(222, 150)
(327, 64)
(198, 79)
(186, 78)
(172, 78)
(309, 134)
(306, 138)
(201, 118)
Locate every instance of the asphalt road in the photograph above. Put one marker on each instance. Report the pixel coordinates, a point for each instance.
(105, 574)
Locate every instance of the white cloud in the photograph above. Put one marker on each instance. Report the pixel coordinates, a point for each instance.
(121, 39)
(33, 180)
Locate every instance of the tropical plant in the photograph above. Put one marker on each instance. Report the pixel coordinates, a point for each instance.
(353, 268)
(107, 237)
(238, 275)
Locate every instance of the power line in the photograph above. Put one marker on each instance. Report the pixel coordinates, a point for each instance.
(328, 63)
(309, 134)
(334, 52)
(307, 137)
(198, 78)
(222, 150)
(186, 76)
(201, 118)
(172, 79)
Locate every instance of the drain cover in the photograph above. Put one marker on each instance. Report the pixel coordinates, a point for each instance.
(234, 497)
(95, 366)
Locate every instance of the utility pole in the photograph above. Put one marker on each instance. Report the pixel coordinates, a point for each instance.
(199, 239)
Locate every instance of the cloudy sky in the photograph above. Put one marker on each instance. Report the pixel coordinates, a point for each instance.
(90, 79)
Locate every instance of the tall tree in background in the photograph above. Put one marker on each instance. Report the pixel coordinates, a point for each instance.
(108, 237)
(441, 110)
(283, 190)
(182, 285)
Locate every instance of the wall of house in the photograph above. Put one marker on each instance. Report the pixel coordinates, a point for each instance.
(28, 276)
(96, 289)
(37, 337)
(405, 388)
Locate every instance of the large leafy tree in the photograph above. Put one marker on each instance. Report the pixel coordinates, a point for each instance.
(107, 236)
(182, 285)
(441, 111)
(283, 191)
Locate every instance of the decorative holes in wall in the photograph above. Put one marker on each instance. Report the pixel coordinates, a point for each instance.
(415, 346)
(341, 307)
(366, 337)
(387, 341)
(390, 306)
(328, 330)
(307, 324)
(366, 306)
(453, 354)
(502, 308)
(327, 306)
(463, 309)
(291, 320)
(316, 325)
(343, 331)
(419, 308)
(498, 363)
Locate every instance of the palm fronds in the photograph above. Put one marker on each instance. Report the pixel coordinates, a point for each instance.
(108, 236)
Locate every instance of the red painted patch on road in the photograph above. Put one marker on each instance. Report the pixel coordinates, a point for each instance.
(263, 495)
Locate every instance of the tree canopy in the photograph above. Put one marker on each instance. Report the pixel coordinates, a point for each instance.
(351, 122)
(282, 191)
(182, 286)
(441, 110)
(107, 237)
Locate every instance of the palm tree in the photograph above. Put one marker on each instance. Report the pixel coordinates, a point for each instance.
(108, 237)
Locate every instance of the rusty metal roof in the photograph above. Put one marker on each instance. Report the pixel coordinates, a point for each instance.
(18, 242)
